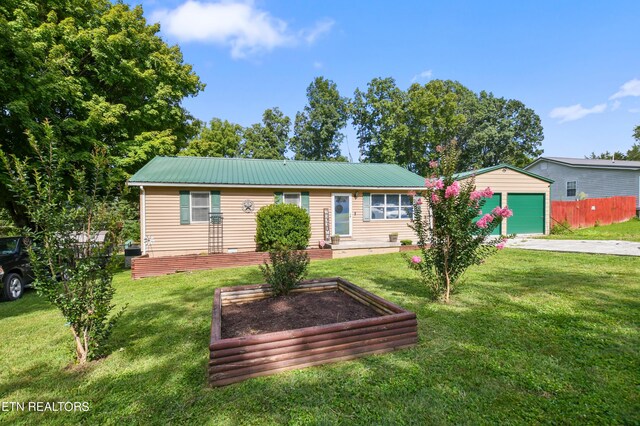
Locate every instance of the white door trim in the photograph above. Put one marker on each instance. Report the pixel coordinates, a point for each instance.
(333, 216)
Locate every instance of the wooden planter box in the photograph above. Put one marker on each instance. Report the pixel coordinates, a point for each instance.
(239, 358)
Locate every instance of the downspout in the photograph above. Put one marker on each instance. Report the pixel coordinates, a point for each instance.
(143, 219)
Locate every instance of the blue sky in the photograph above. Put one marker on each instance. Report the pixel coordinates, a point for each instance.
(577, 64)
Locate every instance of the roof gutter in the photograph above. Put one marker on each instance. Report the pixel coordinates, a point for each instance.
(227, 185)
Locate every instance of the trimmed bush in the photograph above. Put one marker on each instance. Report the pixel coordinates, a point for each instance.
(405, 242)
(287, 269)
(284, 226)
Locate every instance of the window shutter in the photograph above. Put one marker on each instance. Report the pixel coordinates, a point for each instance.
(366, 207)
(185, 214)
(215, 201)
(304, 201)
(277, 197)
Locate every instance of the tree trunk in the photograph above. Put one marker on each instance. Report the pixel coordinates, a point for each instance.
(82, 347)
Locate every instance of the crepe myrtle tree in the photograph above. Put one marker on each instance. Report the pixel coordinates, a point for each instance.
(450, 235)
(74, 234)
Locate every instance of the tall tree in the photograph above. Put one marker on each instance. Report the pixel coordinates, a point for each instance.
(636, 133)
(379, 116)
(405, 127)
(218, 139)
(317, 129)
(499, 130)
(269, 139)
(100, 75)
(433, 120)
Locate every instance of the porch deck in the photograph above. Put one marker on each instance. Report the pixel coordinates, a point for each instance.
(349, 244)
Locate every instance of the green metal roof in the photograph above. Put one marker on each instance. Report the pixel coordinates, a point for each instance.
(498, 167)
(241, 171)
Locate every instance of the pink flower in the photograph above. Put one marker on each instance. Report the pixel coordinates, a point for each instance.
(435, 199)
(502, 212)
(439, 184)
(411, 193)
(419, 201)
(440, 148)
(321, 243)
(433, 164)
(487, 193)
(476, 195)
(416, 259)
(428, 183)
(453, 190)
(484, 221)
(507, 212)
(500, 245)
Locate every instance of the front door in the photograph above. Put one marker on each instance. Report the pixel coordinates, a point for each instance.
(342, 215)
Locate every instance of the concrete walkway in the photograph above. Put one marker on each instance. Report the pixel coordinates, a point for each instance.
(620, 248)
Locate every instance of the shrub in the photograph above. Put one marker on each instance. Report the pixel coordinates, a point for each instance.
(560, 228)
(451, 236)
(287, 269)
(284, 225)
(405, 242)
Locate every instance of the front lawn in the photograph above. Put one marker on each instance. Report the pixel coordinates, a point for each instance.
(531, 338)
(624, 231)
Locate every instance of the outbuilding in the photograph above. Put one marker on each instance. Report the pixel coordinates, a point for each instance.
(526, 193)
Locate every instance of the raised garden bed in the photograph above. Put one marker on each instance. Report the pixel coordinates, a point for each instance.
(235, 359)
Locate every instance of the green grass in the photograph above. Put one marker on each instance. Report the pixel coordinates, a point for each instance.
(624, 231)
(530, 338)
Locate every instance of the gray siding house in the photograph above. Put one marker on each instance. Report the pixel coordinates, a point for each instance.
(595, 178)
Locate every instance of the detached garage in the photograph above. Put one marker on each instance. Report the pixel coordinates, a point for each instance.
(527, 194)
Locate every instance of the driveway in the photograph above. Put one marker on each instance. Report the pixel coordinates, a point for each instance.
(620, 248)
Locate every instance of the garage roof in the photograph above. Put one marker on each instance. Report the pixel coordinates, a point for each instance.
(498, 167)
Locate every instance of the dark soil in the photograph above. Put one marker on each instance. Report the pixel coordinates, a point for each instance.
(296, 310)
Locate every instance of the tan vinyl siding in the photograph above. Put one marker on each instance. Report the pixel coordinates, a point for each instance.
(171, 238)
(512, 181)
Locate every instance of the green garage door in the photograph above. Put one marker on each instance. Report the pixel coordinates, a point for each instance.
(490, 204)
(528, 214)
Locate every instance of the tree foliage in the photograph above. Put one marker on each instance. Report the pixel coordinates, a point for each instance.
(401, 127)
(218, 139)
(75, 234)
(270, 139)
(450, 234)
(100, 75)
(318, 128)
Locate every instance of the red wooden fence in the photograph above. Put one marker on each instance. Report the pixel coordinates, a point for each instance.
(585, 213)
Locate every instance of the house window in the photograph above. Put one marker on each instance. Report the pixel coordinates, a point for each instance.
(200, 207)
(571, 188)
(292, 198)
(391, 206)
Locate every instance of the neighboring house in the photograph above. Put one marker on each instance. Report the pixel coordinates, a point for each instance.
(594, 178)
(526, 193)
(359, 201)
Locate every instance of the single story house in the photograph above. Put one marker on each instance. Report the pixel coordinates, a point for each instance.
(526, 193)
(593, 178)
(193, 205)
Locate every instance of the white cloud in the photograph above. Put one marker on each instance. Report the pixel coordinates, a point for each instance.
(321, 27)
(423, 75)
(630, 88)
(634, 110)
(615, 105)
(575, 112)
(241, 26)
(317, 64)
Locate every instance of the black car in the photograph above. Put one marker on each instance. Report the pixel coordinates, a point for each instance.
(15, 271)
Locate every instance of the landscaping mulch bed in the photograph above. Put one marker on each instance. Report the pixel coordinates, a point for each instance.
(296, 310)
